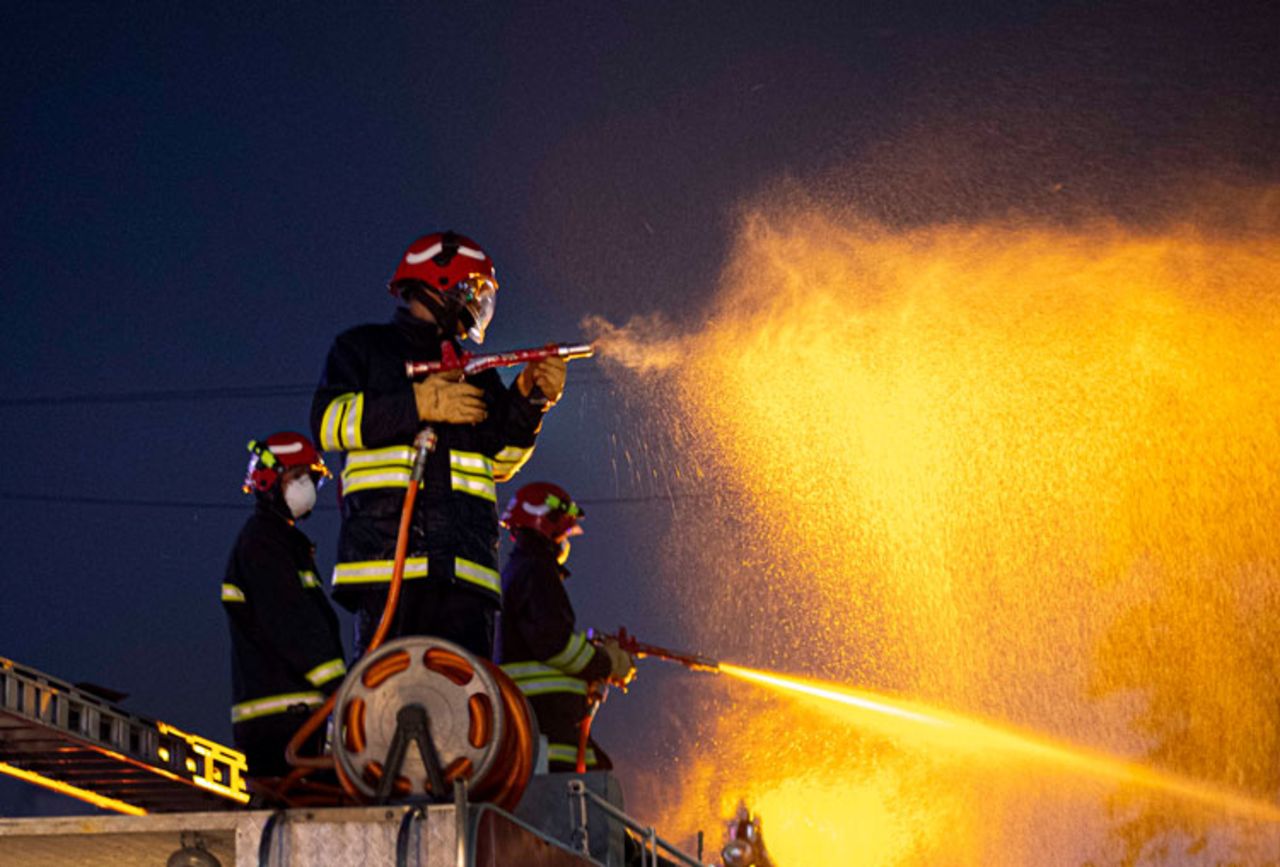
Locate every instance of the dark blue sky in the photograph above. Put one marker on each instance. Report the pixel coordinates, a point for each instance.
(199, 200)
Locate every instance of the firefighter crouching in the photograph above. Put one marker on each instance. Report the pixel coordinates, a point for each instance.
(368, 408)
(551, 661)
(286, 649)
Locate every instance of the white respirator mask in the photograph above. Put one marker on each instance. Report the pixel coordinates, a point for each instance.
(300, 496)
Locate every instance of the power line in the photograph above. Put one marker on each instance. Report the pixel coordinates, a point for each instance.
(64, 499)
(181, 395)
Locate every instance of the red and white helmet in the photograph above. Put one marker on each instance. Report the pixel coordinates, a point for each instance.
(452, 263)
(546, 509)
(280, 452)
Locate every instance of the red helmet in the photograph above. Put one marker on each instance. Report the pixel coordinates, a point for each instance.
(544, 508)
(278, 453)
(447, 261)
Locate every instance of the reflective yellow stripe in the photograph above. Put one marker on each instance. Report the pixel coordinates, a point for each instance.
(351, 431)
(393, 456)
(232, 593)
(471, 462)
(518, 671)
(536, 678)
(370, 479)
(569, 753)
(477, 574)
(546, 685)
(326, 671)
(308, 578)
(273, 704)
(473, 485)
(509, 461)
(340, 424)
(376, 571)
(575, 656)
(377, 468)
(472, 473)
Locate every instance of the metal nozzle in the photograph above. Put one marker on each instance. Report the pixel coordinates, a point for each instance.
(576, 350)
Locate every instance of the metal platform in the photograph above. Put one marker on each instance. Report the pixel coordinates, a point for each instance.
(64, 738)
(336, 837)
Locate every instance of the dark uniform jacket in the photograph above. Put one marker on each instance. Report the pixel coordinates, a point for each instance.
(285, 646)
(365, 407)
(540, 648)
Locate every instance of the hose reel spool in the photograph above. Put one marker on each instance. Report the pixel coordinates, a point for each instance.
(480, 724)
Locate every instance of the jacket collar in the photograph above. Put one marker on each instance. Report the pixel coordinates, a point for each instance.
(421, 335)
(535, 544)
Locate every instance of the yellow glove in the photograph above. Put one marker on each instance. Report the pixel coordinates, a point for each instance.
(446, 398)
(548, 374)
(622, 668)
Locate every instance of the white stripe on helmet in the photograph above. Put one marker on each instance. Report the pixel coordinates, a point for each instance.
(429, 253)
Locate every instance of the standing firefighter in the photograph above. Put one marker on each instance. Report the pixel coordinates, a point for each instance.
(553, 663)
(367, 407)
(286, 649)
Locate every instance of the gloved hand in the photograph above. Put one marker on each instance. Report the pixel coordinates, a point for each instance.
(444, 397)
(548, 374)
(622, 668)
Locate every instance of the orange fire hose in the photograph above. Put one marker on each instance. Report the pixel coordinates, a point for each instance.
(595, 697)
(303, 765)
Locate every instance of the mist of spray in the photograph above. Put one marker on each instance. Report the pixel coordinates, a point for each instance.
(1023, 472)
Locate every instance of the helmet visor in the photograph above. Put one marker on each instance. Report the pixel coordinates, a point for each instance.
(480, 295)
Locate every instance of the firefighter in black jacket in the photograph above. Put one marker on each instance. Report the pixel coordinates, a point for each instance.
(367, 407)
(553, 663)
(286, 649)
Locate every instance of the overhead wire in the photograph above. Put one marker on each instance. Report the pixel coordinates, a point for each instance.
(180, 395)
(27, 497)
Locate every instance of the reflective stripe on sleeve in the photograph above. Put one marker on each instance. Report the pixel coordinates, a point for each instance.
(376, 571)
(509, 461)
(569, 753)
(340, 424)
(326, 671)
(232, 593)
(273, 704)
(481, 576)
(575, 656)
(536, 678)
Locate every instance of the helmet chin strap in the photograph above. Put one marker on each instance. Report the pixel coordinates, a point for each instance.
(449, 310)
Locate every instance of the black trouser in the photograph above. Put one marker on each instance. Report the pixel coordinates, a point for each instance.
(264, 739)
(438, 609)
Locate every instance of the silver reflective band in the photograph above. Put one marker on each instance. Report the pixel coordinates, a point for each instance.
(509, 461)
(535, 678)
(483, 576)
(377, 571)
(340, 425)
(477, 487)
(377, 468)
(273, 704)
(232, 593)
(575, 656)
(326, 671)
(569, 753)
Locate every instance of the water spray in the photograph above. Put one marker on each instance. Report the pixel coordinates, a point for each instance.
(900, 718)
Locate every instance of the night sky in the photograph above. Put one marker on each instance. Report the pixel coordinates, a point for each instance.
(197, 201)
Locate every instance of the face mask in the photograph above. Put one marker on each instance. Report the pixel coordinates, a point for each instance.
(300, 496)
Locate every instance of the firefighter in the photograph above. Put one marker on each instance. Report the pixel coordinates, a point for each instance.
(286, 647)
(367, 407)
(553, 663)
